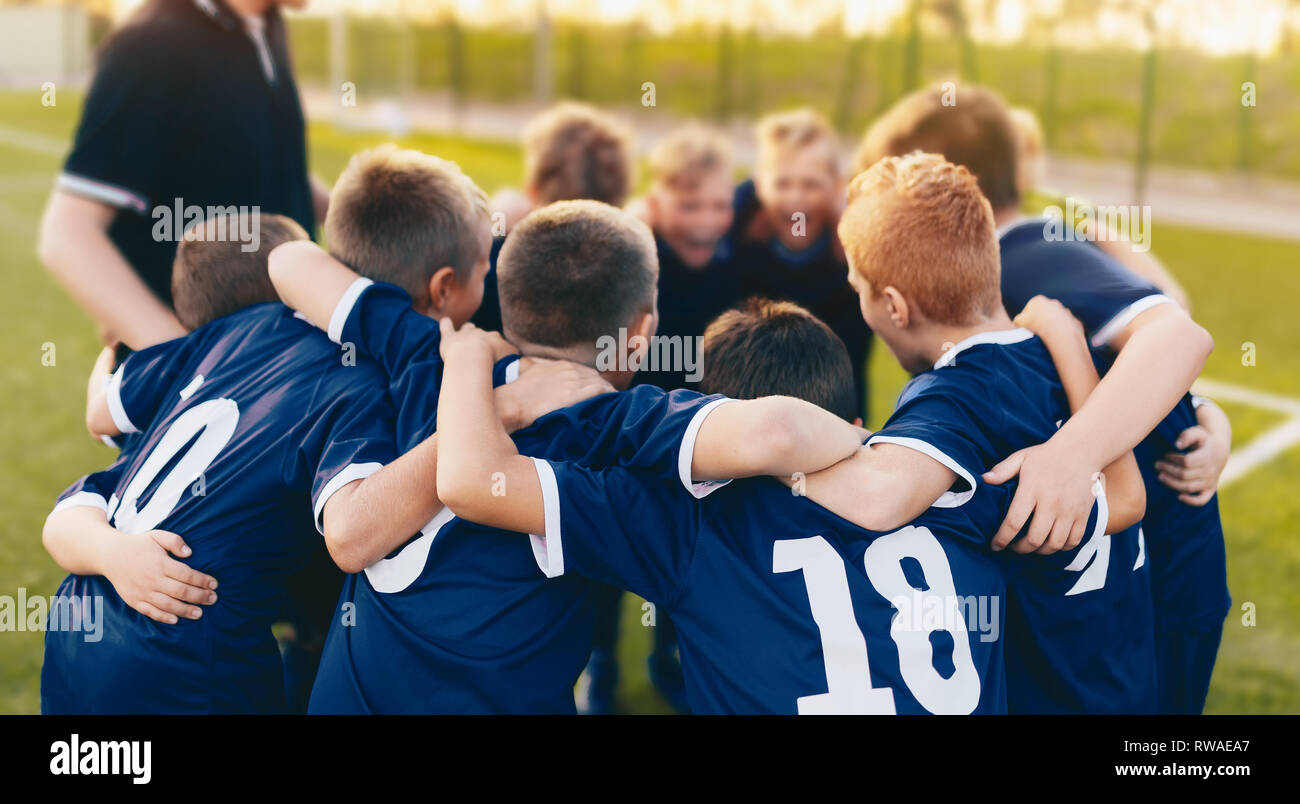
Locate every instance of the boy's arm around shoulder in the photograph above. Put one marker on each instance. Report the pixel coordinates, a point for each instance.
(309, 280)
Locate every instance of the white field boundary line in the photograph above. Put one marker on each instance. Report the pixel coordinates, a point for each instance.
(1267, 445)
(36, 143)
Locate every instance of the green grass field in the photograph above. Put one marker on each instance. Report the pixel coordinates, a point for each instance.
(1243, 289)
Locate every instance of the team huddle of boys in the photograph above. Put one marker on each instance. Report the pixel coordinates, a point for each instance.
(463, 403)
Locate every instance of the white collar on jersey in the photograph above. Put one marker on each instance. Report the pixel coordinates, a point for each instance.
(1001, 337)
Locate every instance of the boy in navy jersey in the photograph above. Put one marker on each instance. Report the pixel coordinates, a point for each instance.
(1150, 351)
(689, 209)
(240, 430)
(851, 637)
(784, 230)
(470, 619)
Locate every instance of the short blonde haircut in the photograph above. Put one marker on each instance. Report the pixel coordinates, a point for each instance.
(779, 134)
(572, 151)
(921, 224)
(399, 215)
(688, 154)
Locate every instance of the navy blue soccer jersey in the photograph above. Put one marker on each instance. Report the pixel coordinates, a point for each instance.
(1185, 543)
(1079, 621)
(462, 618)
(781, 607)
(245, 427)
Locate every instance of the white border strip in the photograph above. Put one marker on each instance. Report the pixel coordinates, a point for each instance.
(548, 548)
(113, 394)
(82, 499)
(686, 454)
(119, 197)
(344, 308)
(949, 499)
(353, 471)
(1107, 332)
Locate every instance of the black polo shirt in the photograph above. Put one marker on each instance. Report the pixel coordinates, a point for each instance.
(185, 108)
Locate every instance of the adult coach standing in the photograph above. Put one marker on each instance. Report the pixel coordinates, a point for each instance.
(193, 104)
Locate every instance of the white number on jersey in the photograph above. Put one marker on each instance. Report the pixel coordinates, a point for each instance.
(848, 672)
(216, 418)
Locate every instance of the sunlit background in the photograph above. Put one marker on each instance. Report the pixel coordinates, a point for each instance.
(1188, 106)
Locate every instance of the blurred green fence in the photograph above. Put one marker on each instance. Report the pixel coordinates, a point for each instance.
(1095, 110)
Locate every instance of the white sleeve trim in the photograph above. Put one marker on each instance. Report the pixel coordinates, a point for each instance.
(1198, 401)
(949, 499)
(113, 393)
(512, 371)
(344, 308)
(1107, 332)
(95, 190)
(353, 471)
(82, 499)
(548, 548)
(686, 455)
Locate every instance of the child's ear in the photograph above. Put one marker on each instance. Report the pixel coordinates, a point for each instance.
(442, 286)
(896, 306)
(646, 325)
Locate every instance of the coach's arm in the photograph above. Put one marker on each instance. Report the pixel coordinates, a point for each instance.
(75, 247)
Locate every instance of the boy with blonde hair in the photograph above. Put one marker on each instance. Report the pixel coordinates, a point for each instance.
(785, 242)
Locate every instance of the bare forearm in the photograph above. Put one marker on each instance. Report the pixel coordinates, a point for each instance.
(309, 280)
(368, 519)
(1074, 365)
(94, 273)
(75, 538)
(481, 475)
(880, 488)
(773, 435)
(1155, 367)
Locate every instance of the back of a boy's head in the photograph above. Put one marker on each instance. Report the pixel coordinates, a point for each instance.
(969, 125)
(573, 151)
(773, 347)
(687, 155)
(574, 271)
(921, 224)
(216, 274)
(782, 133)
(399, 215)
